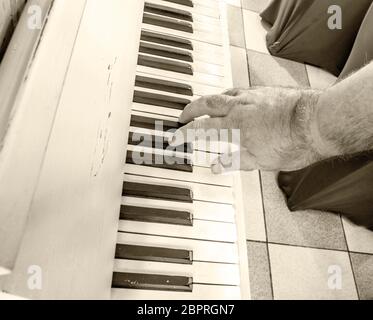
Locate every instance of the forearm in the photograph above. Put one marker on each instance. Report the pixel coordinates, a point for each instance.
(343, 115)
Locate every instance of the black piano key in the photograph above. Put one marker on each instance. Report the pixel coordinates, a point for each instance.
(182, 218)
(165, 162)
(188, 3)
(166, 22)
(160, 100)
(153, 124)
(167, 52)
(167, 40)
(157, 142)
(158, 192)
(152, 282)
(156, 254)
(164, 85)
(164, 64)
(168, 11)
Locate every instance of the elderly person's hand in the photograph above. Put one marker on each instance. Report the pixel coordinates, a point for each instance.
(274, 124)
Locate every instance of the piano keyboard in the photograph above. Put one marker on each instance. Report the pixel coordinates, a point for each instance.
(177, 235)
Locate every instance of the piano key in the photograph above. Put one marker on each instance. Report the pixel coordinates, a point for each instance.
(197, 158)
(188, 3)
(143, 214)
(200, 292)
(168, 11)
(200, 210)
(199, 175)
(169, 100)
(197, 77)
(195, 15)
(164, 85)
(159, 161)
(155, 142)
(197, 89)
(201, 272)
(157, 254)
(209, 36)
(168, 56)
(156, 124)
(195, 191)
(201, 230)
(166, 39)
(156, 191)
(165, 51)
(201, 50)
(209, 9)
(149, 281)
(165, 64)
(168, 23)
(203, 251)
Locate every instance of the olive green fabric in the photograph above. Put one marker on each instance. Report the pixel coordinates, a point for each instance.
(300, 32)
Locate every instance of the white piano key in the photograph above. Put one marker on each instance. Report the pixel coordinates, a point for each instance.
(198, 66)
(203, 78)
(201, 192)
(201, 230)
(208, 8)
(201, 272)
(200, 292)
(199, 175)
(198, 88)
(208, 53)
(197, 158)
(200, 210)
(170, 94)
(203, 251)
(197, 11)
(204, 36)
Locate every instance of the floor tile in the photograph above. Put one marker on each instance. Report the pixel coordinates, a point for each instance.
(240, 71)
(235, 26)
(255, 32)
(319, 78)
(266, 70)
(302, 228)
(358, 239)
(363, 269)
(304, 273)
(253, 206)
(260, 278)
(255, 5)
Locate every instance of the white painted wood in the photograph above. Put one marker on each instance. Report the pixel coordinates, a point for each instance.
(200, 292)
(201, 230)
(71, 232)
(202, 192)
(201, 210)
(32, 117)
(203, 251)
(15, 62)
(238, 195)
(201, 272)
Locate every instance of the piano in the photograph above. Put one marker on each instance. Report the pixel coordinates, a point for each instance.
(80, 219)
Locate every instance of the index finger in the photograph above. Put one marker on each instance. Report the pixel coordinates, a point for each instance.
(213, 106)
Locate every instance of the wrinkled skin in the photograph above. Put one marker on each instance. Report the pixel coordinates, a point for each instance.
(288, 128)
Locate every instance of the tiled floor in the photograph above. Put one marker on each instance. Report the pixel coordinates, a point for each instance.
(292, 255)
